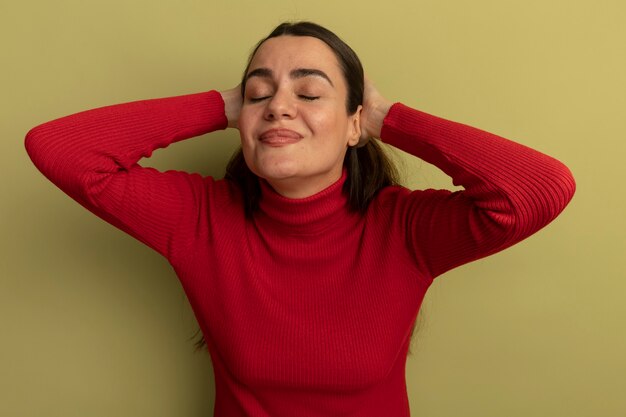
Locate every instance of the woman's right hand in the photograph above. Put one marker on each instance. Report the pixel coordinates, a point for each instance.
(232, 105)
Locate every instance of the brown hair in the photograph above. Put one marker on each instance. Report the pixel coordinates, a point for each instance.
(369, 168)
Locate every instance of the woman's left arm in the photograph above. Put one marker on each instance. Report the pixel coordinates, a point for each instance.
(510, 190)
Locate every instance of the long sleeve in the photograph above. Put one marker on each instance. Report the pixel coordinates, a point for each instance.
(92, 156)
(510, 191)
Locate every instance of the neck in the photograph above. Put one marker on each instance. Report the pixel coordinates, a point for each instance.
(306, 216)
(299, 187)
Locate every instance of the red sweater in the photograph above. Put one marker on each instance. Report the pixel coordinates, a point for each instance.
(307, 308)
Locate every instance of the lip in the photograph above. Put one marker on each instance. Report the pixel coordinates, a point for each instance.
(279, 137)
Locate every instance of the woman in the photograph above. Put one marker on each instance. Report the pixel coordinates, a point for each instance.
(306, 266)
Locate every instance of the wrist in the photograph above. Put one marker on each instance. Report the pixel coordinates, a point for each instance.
(378, 117)
(232, 105)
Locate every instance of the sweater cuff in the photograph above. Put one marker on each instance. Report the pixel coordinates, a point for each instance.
(402, 118)
(403, 125)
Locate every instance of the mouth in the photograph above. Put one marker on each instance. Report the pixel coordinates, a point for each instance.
(279, 137)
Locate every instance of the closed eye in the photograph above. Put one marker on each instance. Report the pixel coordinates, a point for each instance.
(302, 96)
(257, 99)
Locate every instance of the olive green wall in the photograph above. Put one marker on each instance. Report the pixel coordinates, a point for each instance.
(96, 324)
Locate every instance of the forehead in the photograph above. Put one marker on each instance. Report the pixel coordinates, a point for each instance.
(296, 51)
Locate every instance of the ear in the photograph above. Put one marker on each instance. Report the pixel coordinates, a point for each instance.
(354, 127)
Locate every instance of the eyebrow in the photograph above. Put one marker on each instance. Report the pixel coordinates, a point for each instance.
(296, 73)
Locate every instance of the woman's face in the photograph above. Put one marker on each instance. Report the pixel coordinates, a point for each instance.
(294, 125)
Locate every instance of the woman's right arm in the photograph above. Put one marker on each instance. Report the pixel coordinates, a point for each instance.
(92, 156)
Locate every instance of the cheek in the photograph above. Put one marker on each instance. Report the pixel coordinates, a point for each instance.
(324, 123)
(249, 152)
(248, 149)
(247, 146)
(246, 127)
(332, 128)
(244, 119)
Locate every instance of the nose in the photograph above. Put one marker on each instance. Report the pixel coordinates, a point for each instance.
(280, 106)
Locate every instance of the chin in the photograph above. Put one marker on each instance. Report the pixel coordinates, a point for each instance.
(278, 174)
(276, 171)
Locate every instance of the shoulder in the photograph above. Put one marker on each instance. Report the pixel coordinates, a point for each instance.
(222, 192)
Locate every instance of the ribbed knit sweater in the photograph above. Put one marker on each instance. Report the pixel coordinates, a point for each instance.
(307, 307)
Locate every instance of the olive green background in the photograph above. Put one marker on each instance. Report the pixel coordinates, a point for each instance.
(93, 323)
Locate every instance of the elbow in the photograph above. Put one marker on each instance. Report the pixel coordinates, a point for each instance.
(564, 186)
(571, 186)
(538, 201)
(54, 159)
(35, 145)
(46, 152)
(550, 199)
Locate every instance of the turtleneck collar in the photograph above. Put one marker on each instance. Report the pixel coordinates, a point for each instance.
(308, 215)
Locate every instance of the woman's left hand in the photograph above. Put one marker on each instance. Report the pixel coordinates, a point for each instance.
(375, 108)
